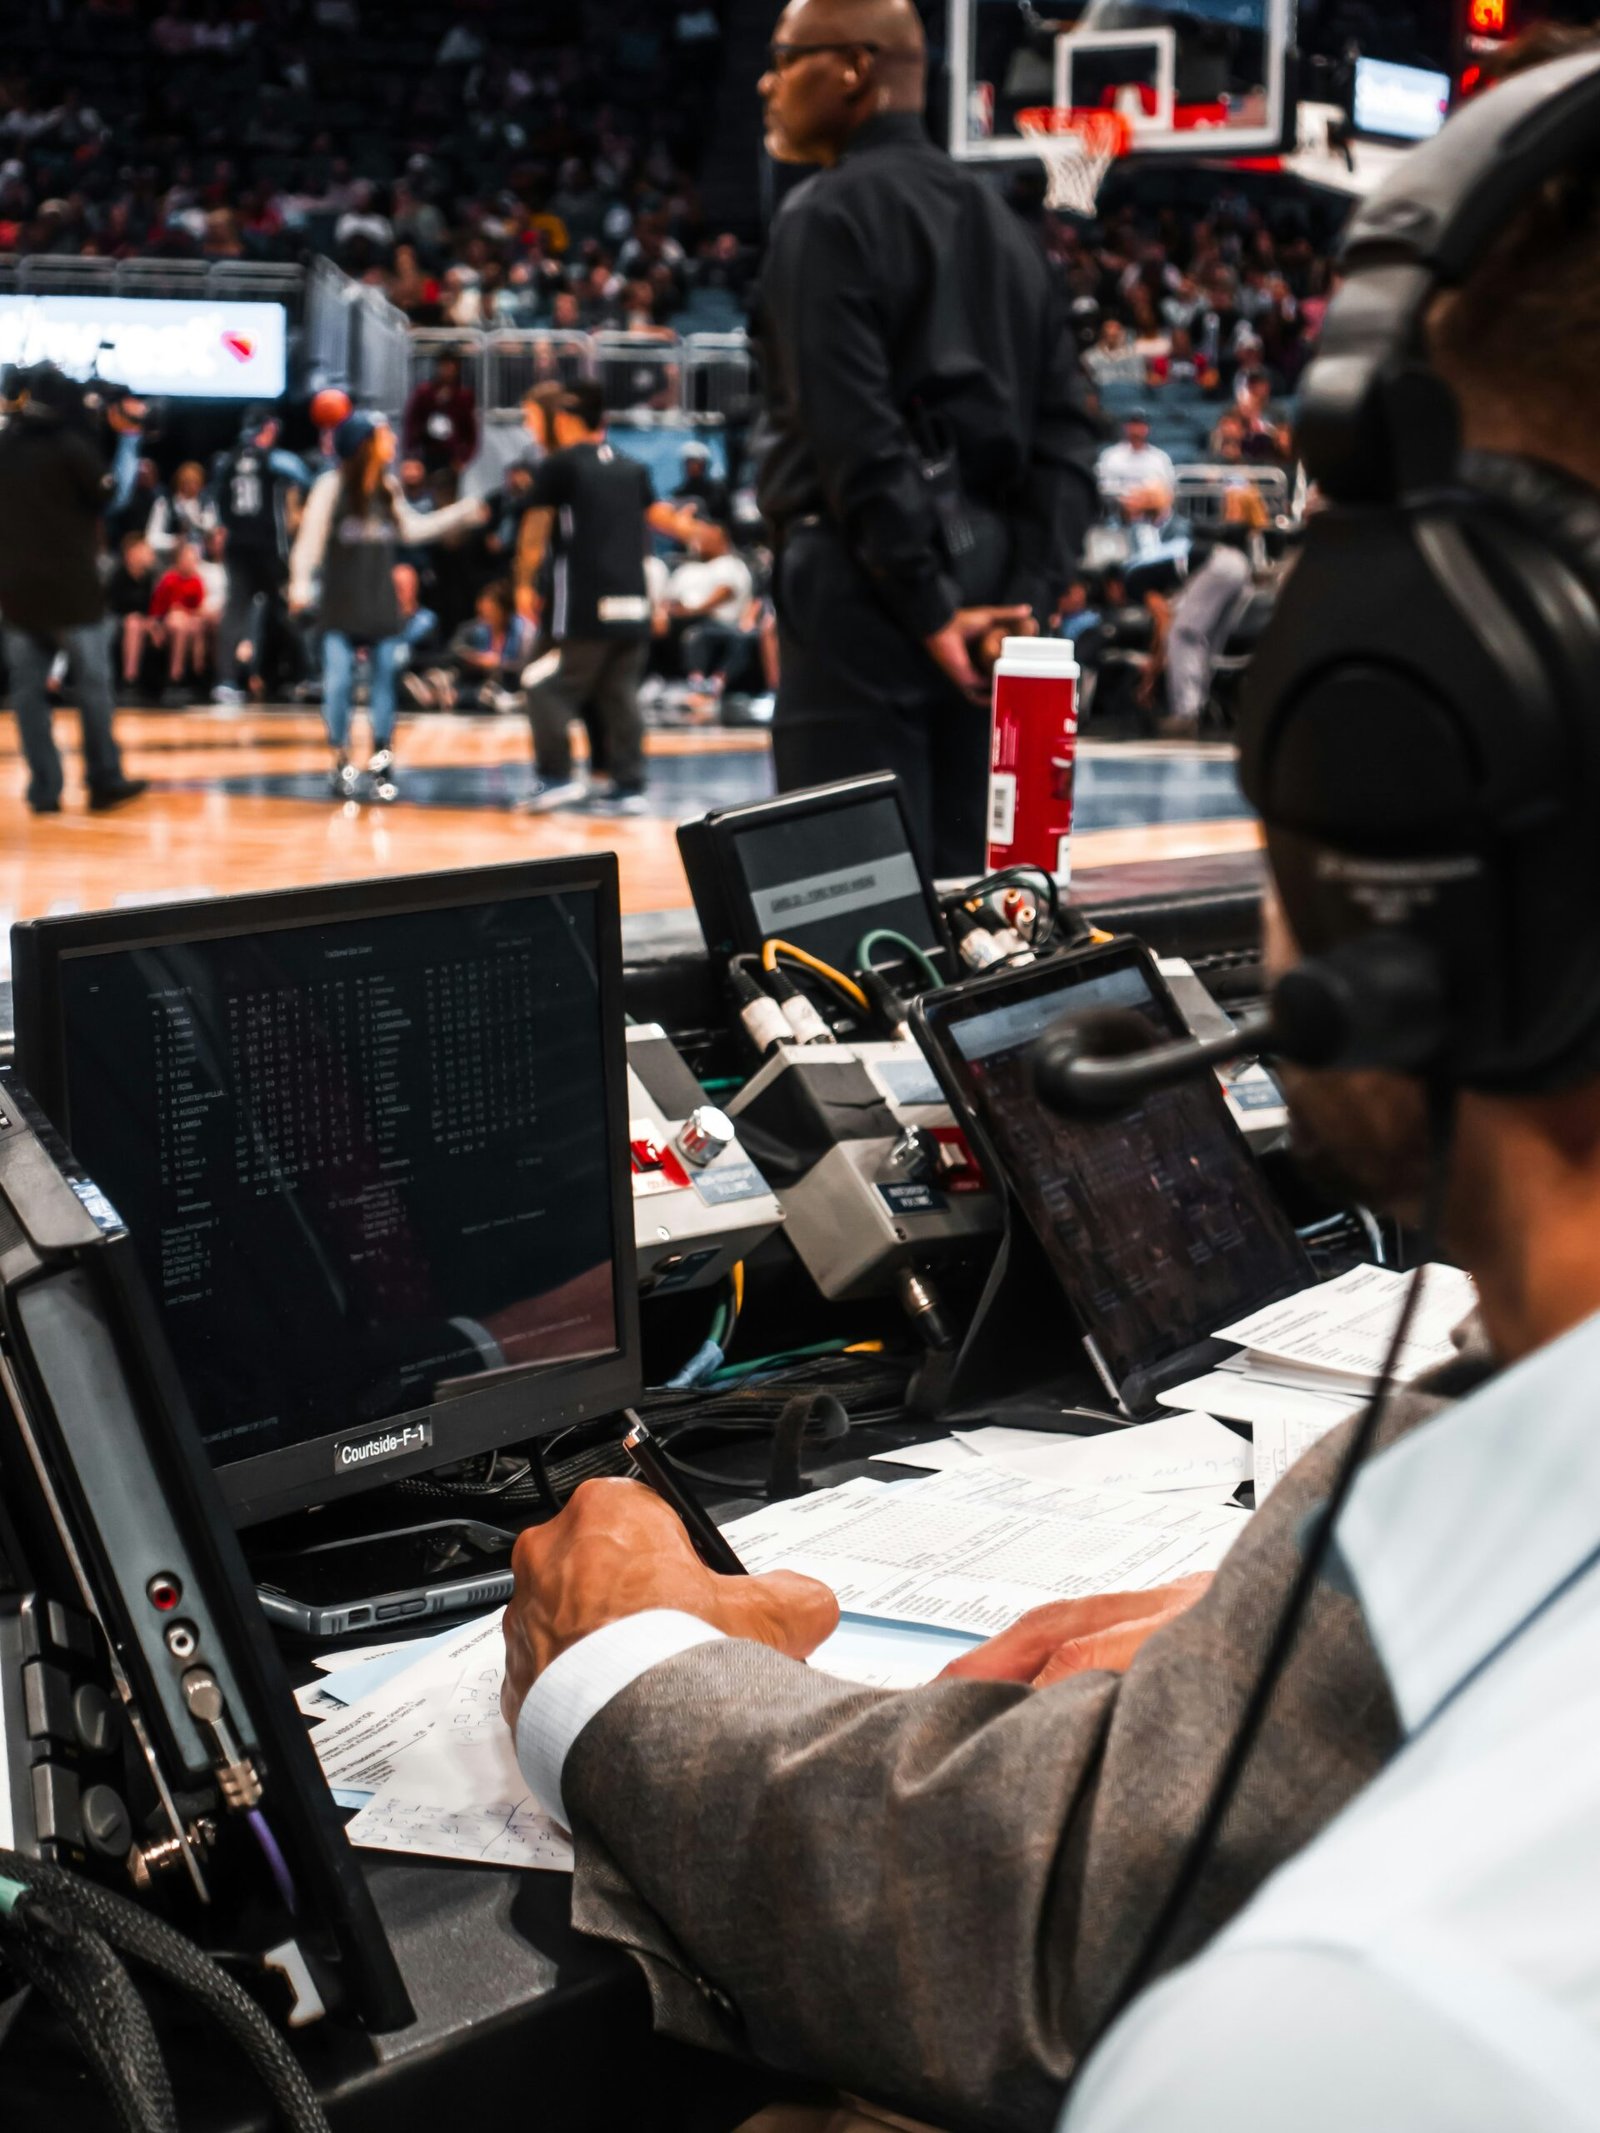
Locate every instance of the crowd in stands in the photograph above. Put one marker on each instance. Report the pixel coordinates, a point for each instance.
(486, 167)
(485, 164)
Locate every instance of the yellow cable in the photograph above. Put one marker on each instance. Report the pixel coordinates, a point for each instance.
(738, 1292)
(865, 1348)
(772, 949)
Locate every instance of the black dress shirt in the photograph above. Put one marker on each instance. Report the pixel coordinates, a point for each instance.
(899, 286)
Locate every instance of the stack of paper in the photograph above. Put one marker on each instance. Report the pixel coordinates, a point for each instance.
(1191, 1454)
(1314, 1360)
(427, 1757)
(974, 1551)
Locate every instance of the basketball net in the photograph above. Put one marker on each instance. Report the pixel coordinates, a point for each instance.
(1077, 148)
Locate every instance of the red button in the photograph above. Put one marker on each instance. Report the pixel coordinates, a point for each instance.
(646, 1154)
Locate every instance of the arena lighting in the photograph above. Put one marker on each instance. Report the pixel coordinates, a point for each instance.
(1488, 18)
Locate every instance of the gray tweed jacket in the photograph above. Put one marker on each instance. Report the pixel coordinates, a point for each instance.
(927, 1898)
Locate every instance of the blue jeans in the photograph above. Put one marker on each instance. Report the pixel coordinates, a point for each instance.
(338, 683)
(29, 658)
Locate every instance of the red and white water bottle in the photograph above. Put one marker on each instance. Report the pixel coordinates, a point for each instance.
(1033, 755)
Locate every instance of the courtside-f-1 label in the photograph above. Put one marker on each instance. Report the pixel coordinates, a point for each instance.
(392, 1443)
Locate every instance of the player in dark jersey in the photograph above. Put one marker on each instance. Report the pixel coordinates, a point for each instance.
(599, 504)
(259, 490)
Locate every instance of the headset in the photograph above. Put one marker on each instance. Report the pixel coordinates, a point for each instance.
(1420, 734)
(1420, 727)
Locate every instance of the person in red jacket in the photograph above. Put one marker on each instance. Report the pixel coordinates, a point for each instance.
(175, 611)
(440, 425)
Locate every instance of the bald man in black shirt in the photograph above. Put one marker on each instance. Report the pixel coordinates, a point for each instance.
(927, 455)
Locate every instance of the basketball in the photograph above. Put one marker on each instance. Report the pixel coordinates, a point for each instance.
(329, 407)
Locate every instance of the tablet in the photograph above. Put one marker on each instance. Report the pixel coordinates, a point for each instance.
(1156, 1220)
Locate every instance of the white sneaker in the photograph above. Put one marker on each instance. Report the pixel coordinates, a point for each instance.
(546, 795)
(223, 693)
(609, 800)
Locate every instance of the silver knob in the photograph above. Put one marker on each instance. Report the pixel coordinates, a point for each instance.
(704, 1134)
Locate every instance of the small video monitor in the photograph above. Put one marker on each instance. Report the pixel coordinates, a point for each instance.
(1395, 103)
(819, 869)
(370, 1143)
(1156, 1220)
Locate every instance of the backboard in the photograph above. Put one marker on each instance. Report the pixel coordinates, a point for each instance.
(1192, 77)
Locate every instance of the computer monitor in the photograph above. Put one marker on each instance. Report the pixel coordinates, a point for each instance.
(1395, 103)
(819, 868)
(371, 1144)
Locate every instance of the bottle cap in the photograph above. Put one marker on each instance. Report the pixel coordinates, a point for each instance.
(1051, 655)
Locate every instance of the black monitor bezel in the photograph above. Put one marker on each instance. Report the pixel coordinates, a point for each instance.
(296, 1476)
(726, 910)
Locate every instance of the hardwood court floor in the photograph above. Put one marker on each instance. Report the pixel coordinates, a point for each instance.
(236, 805)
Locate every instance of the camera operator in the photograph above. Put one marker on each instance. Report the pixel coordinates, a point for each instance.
(53, 489)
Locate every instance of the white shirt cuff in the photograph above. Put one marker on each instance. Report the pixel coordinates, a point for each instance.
(579, 1684)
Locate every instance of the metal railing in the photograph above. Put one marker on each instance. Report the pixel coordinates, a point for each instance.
(1201, 491)
(709, 377)
(235, 280)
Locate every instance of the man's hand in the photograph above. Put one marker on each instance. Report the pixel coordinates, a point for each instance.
(1098, 1635)
(618, 1550)
(984, 628)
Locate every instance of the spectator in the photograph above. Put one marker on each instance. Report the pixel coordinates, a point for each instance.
(440, 425)
(491, 651)
(177, 607)
(187, 514)
(1267, 438)
(53, 489)
(429, 688)
(1193, 628)
(128, 595)
(1226, 444)
(713, 586)
(699, 489)
(1137, 475)
(1114, 360)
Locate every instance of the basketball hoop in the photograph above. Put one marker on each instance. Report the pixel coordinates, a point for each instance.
(1077, 148)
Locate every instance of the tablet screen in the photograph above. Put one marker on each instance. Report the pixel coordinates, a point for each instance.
(1157, 1220)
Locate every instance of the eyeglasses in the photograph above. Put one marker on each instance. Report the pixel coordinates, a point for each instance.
(780, 57)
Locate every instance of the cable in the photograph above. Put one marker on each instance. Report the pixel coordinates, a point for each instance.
(73, 1969)
(277, 1865)
(908, 949)
(145, 1940)
(772, 948)
(1315, 1548)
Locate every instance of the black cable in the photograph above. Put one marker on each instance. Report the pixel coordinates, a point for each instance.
(75, 1972)
(1314, 1555)
(145, 1940)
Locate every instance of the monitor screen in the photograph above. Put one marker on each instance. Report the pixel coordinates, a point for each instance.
(1399, 103)
(176, 347)
(1157, 1220)
(825, 878)
(368, 1160)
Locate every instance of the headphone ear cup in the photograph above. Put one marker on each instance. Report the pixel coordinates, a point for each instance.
(1562, 508)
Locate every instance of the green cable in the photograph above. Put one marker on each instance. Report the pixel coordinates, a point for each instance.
(718, 1088)
(869, 941)
(771, 1362)
(11, 1894)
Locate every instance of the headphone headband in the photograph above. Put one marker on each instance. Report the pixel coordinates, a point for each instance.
(1374, 421)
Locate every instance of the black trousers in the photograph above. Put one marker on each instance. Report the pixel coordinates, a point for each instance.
(856, 694)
